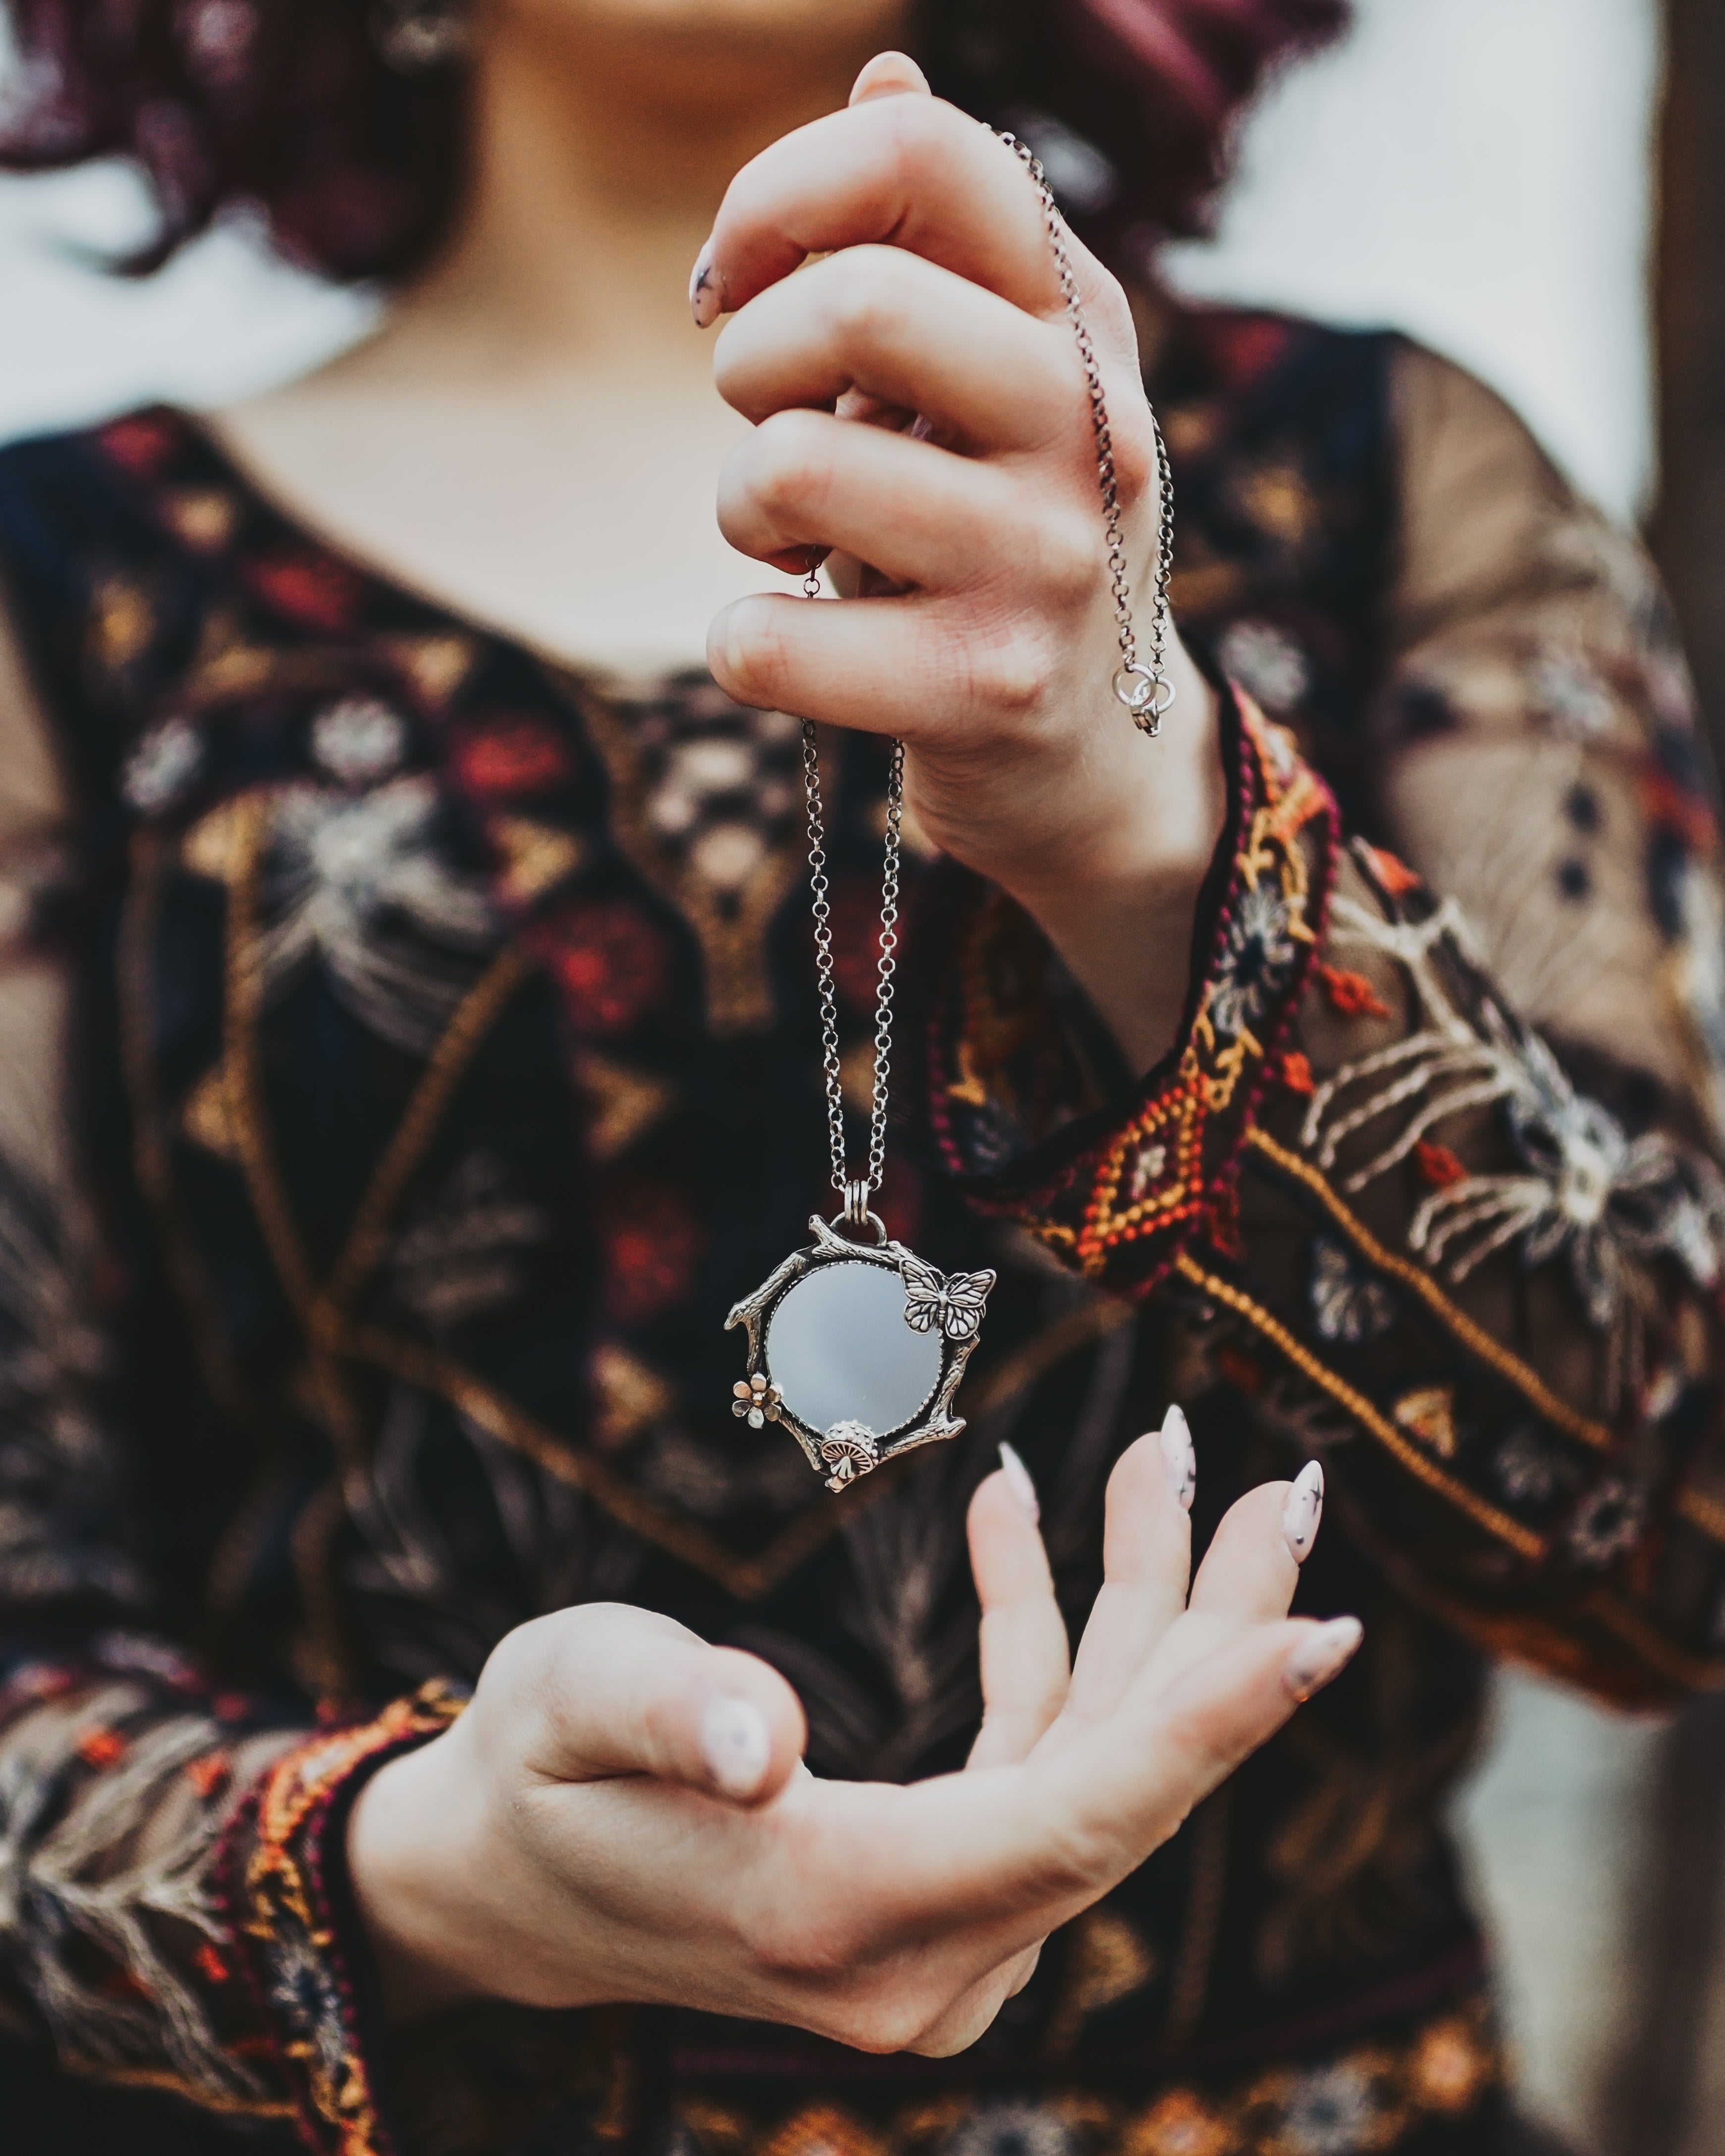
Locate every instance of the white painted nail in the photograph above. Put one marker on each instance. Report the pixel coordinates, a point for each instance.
(737, 1745)
(1304, 1509)
(1017, 1480)
(1180, 1457)
(706, 289)
(1322, 1656)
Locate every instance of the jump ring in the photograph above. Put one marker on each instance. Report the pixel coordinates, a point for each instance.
(1145, 695)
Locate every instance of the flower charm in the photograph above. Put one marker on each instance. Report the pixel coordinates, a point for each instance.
(756, 1403)
(849, 1449)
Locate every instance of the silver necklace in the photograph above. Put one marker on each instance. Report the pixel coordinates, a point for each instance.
(855, 1344)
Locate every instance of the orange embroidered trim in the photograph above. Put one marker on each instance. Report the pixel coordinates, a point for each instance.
(1397, 878)
(1153, 1175)
(1352, 994)
(284, 1926)
(1440, 2070)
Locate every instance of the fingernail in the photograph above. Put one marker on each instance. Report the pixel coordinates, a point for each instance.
(1017, 1480)
(706, 289)
(737, 1745)
(1179, 1460)
(1322, 1656)
(1302, 1512)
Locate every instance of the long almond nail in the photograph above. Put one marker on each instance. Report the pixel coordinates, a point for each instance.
(706, 289)
(1304, 1509)
(737, 1745)
(1179, 1458)
(1017, 1480)
(1322, 1656)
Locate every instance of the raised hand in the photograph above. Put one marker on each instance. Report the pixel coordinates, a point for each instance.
(623, 1813)
(980, 631)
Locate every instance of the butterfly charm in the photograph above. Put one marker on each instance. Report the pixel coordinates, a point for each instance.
(953, 1301)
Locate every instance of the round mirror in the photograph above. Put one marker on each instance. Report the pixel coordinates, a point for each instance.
(838, 1349)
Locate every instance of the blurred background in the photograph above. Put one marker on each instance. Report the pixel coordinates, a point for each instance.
(1536, 187)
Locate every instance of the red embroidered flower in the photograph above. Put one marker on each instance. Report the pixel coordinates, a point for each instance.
(610, 961)
(1352, 994)
(511, 754)
(1438, 1165)
(207, 1774)
(142, 444)
(1296, 1072)
(101, 1748)
(1395, 875)
(311, 589)
(652, 1247)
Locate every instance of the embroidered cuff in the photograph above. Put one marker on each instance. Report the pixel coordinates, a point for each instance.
(283, 1883)
(1117, 1189)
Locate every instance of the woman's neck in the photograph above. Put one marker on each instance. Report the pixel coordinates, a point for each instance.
(598, 166)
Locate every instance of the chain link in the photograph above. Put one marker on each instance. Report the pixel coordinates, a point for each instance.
(822, 908)
(1146, 691)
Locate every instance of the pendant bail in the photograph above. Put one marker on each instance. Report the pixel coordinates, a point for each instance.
(856, 1204)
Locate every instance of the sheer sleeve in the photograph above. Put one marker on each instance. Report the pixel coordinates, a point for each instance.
(170, 1893)
(1433, 1165)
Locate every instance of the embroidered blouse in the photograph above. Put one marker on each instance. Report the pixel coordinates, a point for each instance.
(411, 1055)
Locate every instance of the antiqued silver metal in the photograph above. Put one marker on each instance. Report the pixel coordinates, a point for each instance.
(839, 1344)
(900, 1354)
(1146, 691)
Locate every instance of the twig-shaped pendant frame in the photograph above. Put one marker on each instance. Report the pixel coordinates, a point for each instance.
(942, 1316)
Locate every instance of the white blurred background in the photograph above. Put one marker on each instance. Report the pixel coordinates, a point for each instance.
(1475, 171)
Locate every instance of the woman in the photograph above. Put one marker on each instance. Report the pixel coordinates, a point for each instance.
(423, 922)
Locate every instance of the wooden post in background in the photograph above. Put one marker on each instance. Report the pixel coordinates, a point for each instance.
(1687, 528)
(1669, 2105)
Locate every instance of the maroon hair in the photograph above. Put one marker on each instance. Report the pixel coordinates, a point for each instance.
(289, 107)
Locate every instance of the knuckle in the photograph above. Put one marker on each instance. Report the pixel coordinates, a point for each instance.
(1068, 558)
(867, 301)
(750, 653)
(1013, 669)
(1134, 459)
(791, 467)
(888, 2023)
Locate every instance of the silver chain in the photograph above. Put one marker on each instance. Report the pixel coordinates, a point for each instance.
(1146, 691)
(857, 1191)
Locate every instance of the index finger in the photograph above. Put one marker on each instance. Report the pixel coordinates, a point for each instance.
(904, 172)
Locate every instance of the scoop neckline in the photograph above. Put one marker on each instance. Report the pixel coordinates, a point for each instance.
(387, 587)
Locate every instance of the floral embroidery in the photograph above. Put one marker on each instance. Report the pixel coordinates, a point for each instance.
(1609, 1522)
(1530, 1470)
(1369, 2099)
(1608, 1204)
(461, 1255)
(359, 882)
(1267, 663)
(277, 1892)
(359, 740)
(163, 766)
(1256, 960)
(1348, 1303)
(1161, 1176)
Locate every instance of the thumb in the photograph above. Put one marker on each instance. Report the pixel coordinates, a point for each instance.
(625, 1692)
(890, 74)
